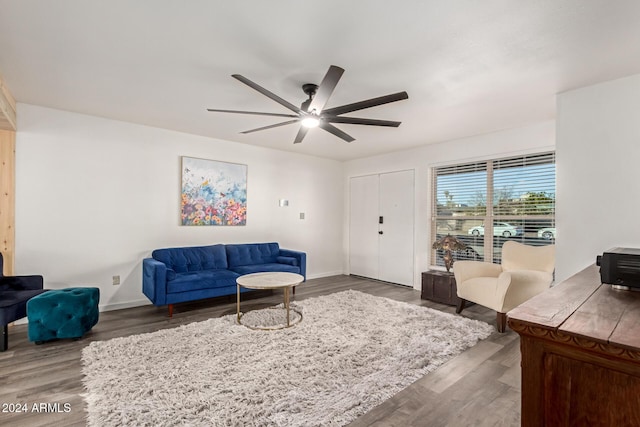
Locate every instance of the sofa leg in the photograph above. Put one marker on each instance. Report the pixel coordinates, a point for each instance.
(5, 338)
(501, 320)
(170, 310)
(460, 306)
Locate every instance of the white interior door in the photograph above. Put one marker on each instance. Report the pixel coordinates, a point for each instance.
(396, 241)
(363, 226)
(384, 250)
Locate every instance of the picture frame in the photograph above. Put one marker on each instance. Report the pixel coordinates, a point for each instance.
(213, 193)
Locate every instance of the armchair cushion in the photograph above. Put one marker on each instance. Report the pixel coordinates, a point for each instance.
(13, 304)
(516, 256)
(18, 283)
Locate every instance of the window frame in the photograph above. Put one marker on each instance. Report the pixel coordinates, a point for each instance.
(490, 216)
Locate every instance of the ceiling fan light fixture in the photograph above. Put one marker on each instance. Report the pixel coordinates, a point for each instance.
(312, 113)
(310, 122)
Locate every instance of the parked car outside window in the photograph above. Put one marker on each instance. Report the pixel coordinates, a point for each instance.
(547, 233)
(503, 229)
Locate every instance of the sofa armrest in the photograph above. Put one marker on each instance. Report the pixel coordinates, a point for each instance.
(289, 260)
(154, 281)
(465, 270)
(32, 282)
(301, 257)
(518, 286)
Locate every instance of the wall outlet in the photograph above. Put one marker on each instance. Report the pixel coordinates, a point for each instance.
(116, 280)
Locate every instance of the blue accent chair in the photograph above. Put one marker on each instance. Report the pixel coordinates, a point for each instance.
(15, 291)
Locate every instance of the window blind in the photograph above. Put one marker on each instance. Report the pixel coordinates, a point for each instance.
(485, 203)
(461, 189)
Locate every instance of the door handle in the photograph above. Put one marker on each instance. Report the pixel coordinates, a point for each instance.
(380, 232)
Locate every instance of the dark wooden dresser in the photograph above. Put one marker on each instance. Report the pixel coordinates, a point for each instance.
(580, 345)
(439, 286)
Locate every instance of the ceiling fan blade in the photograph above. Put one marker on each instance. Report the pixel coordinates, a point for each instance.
(366, 104)
(325, 89)
(359, 121)
(288, 122)
(257, 113)
(337, 132)
(301, 134)
(266, 93)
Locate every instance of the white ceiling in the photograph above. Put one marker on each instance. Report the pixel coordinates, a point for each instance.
(470, 67)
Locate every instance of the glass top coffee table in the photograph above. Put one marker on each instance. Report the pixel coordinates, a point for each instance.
(270, 280)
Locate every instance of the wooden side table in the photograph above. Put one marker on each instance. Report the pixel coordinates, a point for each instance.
(439, 286)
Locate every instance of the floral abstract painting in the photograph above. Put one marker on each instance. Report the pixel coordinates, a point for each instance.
(213, 192)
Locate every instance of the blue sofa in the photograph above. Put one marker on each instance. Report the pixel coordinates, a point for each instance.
(175, 275)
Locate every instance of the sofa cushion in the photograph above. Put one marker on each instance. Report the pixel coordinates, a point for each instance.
(252, 253)
(208, 279)
(259, 268)
(195, 258)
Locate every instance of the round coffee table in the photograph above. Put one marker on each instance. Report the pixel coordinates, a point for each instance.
(270, 280)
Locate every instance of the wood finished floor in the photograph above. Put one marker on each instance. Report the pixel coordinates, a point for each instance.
(480, 387)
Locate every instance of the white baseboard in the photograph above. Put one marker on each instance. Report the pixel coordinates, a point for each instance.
(327, 274)
(122, 305)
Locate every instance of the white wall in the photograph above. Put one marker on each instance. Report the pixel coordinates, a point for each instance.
(531, 139)
(95, 196)
(598, 172)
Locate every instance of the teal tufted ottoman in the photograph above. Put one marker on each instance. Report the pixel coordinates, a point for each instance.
(62, 313)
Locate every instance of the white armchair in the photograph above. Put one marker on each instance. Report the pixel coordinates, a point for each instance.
(525, 272)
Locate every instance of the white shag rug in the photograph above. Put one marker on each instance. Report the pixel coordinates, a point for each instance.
(350, 352)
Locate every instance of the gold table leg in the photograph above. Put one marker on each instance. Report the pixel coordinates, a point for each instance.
(238, 302)
(286, 304)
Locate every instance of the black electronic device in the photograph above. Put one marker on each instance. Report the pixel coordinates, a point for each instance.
(620, 267)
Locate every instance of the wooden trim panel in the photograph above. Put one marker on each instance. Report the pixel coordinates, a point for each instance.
(7, 198)
(7, 108)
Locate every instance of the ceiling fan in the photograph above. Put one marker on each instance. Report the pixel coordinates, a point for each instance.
(312, 112)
